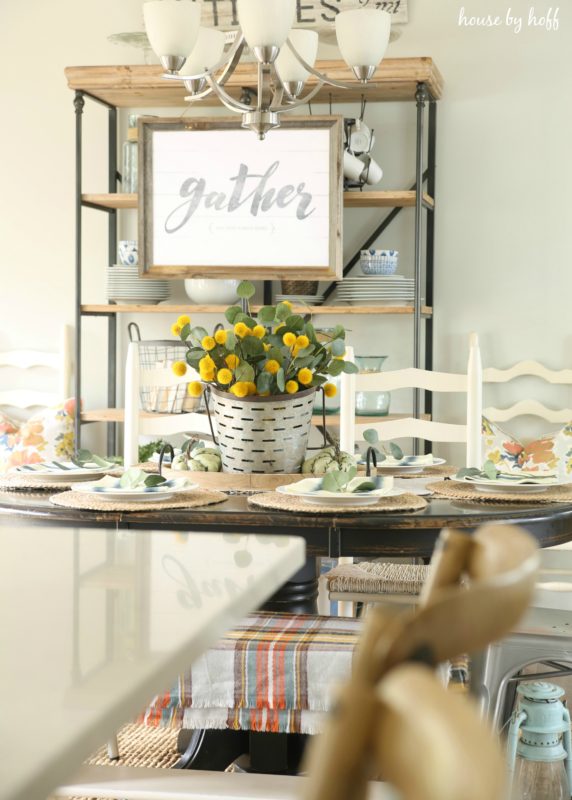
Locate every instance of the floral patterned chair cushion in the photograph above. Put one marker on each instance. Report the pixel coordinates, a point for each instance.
(549, 455)
(45, 435)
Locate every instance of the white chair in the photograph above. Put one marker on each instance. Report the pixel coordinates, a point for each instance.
(149, 423)
(468, 383)
(528, 407)
(59, 361)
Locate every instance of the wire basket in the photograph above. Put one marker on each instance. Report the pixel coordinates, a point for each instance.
(160, 354)
(262, 434)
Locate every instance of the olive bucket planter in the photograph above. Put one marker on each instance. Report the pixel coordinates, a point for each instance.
(261, 434)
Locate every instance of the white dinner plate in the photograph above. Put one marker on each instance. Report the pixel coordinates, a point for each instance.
(49, 470)
(348, 500)
(506, 486)
(106, 490)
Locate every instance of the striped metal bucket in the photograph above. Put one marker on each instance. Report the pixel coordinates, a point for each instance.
(262, 434)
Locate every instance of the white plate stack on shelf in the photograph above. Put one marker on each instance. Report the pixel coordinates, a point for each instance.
(125, 286)
(379, 290)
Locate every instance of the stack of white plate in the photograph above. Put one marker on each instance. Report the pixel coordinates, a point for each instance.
(390, 290)
(309, 299)
(125, 286)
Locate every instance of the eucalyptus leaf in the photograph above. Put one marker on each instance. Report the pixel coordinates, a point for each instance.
(336, 368)
(244, 372)
(283, 311)
(185, 331)
(468, 472)
(365, 486)
(280, 379)
(371, 436)
(232, 312)
(199, 333)
(338, 332)
(252, 346)
(230, 343)
(338, 347)
(154, 480)
(349, 367)
(294, 322)
(267, 314)
(396, 451)
(263, 382)
(249, 321)
(245, 289)
(490, 470)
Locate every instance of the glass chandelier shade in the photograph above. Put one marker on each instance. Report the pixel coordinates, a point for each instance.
(172, 28)
(206, 52)
(266, 23)
(363, 35)
(306, 44)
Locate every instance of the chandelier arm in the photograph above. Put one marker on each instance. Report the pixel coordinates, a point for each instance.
(300, 101)
(225, 98)
(316, 73)
(229, 61)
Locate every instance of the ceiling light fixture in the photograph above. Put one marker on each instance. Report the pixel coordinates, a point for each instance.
(285, 56)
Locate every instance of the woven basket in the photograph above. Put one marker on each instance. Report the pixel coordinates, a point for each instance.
(300, 287)
(262, 434)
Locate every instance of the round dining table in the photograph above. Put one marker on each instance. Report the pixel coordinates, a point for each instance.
(359, 535)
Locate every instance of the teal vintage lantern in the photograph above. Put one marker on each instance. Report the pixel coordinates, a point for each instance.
(539, 744)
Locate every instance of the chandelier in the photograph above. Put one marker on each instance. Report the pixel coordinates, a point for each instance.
(285, 56)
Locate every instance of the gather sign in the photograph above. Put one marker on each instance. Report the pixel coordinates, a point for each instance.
(216, 201)
(319, 15)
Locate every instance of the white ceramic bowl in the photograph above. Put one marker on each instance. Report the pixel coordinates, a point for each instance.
(211, 291)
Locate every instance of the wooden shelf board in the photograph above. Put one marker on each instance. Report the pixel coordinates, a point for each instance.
(385, 199)
(117, 415)
(141, 86)
(103, 310)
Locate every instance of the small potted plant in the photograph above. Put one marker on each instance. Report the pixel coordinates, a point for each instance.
(261, 374)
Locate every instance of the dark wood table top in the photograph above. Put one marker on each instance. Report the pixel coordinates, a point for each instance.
(365, 535)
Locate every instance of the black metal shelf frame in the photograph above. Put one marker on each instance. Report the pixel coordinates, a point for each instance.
(425, 176)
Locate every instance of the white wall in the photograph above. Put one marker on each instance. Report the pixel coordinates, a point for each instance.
(503, 184)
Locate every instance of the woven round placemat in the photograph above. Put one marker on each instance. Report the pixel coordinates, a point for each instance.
(22, 482)
(193, 499)
(283, 502)
(456, 491)
(428, 472)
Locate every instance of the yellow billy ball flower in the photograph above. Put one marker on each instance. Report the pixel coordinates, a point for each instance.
(206, 363)
(330, 390)
(272, 366)
(302, 342)
(241, 330)
(224, 376)
(259, 331)
(287, 303)
(207, 375)
(289, 339)
(184, 320)
(240, 389)
(179, 368)
(195, 388)
(232, 361)
(291, 387)
(208, 342)
(251, 387)
(305, 376)
(295, 350)
(220, 337)
(176, 329)
(266, 346)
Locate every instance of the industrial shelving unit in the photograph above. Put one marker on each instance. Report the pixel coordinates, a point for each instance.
(397, 80)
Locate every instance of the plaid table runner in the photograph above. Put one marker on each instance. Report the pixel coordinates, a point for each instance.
(273, 672)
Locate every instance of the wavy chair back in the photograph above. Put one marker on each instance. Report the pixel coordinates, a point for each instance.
(528, 407)
(468, 383)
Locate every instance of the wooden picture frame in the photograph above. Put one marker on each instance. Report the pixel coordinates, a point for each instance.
(216, 202)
